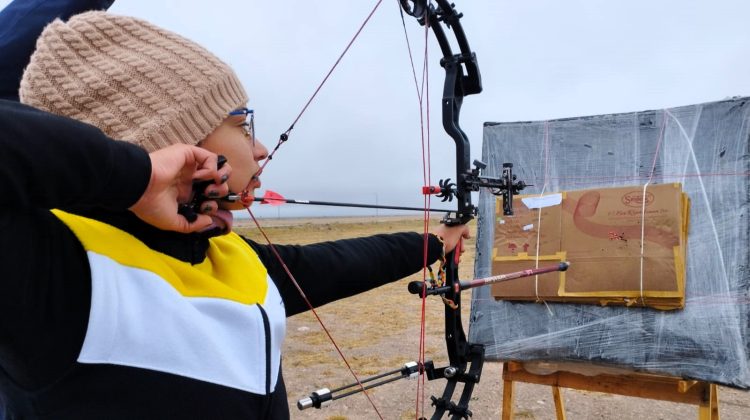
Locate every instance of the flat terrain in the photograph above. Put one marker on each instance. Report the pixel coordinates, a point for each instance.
(379, 331)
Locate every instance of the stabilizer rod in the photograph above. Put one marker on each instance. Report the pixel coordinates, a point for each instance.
(418, 287)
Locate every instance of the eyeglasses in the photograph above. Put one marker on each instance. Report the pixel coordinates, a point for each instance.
(249, 125)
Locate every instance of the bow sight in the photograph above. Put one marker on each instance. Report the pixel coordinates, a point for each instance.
(505, 186)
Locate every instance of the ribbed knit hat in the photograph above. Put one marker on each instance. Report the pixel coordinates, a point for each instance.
(135, 81)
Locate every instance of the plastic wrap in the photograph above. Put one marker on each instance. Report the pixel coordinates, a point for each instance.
(705, 147)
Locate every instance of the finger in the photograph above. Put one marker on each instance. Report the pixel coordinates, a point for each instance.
(216, 191)
(206, 174)
(204, 158)
(206, 164)
(209, 207)
(225, 172)
(201, 222)
(219, 178)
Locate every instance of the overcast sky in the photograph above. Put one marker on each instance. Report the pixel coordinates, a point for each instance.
(359, 140)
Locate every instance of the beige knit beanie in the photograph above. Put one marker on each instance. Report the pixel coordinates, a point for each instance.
(133, 80)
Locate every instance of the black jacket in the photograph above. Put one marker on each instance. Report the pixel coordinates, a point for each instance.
(49, 162)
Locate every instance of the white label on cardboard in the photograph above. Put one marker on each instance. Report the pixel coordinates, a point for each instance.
(544, 201)
(528, 227)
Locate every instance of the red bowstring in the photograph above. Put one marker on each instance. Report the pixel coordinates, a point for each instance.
(282, 139)
(428, 197)
(411, 60)
(285, 136)
(422, 96)
(312, 309)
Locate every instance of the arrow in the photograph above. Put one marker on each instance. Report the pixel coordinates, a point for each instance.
(276, 199)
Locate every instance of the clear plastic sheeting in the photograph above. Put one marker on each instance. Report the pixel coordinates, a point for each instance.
(706, 148)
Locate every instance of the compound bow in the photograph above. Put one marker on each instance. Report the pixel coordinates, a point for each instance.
(466, 359)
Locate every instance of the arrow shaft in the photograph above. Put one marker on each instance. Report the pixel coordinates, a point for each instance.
(356, 205)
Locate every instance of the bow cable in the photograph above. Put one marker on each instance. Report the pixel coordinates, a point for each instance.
(312, 309)
(422, 95)
(285, 135)
(462, 78)
(283, 138)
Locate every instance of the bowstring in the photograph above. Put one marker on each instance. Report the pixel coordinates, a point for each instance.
(423, 96)
(283, 138)
(424, 112)
(312, 309)
(428, 197)
(285, 135)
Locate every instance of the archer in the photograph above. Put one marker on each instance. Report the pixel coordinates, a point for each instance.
(115, 305)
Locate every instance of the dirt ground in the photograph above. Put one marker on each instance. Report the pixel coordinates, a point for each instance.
(379, 331)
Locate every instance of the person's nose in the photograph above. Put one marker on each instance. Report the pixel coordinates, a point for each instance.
(259, 151)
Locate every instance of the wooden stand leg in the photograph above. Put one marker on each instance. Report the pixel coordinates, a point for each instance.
(708, 408)
(714, 402)
(559, 405)
(507, 411)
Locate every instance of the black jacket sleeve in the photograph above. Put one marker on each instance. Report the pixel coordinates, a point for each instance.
(329, 271)
(47, 162)
(50, 161)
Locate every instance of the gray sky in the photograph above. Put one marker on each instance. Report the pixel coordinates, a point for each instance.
(359, 140)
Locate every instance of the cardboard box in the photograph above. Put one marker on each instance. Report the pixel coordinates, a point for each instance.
(622, 249)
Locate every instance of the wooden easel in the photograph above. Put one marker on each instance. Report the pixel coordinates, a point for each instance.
(655, 387)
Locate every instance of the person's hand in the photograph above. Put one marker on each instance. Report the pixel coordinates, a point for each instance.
(451, 235)
(173, 170)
